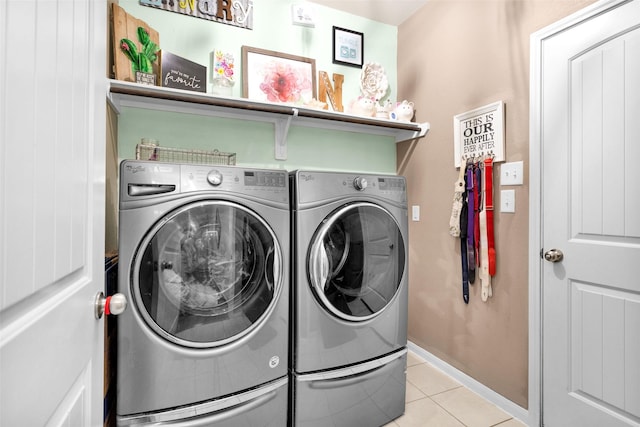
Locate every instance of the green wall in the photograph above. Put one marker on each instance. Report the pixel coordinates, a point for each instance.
(253, 142)
(194, 39)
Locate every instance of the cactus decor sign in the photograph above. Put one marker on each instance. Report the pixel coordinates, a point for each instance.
(142, 58)
(238, 13)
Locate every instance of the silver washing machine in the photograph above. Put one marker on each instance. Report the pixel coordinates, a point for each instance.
(204, 263)
(349, 299)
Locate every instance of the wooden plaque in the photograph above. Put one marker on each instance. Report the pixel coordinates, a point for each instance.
(125, 26)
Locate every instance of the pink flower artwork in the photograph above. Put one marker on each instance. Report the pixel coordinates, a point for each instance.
(277, 77)
(284, 82)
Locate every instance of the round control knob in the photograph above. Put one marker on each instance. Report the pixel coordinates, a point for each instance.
(215, 178)
(360, 183)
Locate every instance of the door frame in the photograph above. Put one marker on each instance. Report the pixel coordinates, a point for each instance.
(537, 39)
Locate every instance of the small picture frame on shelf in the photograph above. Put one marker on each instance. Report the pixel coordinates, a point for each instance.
(348, 47)
(277, 77)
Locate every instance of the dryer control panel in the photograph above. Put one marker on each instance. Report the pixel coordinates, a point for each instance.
(314, 186)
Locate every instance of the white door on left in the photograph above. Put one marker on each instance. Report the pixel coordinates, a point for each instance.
(52, 144)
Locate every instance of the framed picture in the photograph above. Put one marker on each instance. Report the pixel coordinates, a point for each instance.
(277, 77)
(479, 132)
(347, 47)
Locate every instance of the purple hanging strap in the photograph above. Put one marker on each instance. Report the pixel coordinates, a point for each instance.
(471, 258)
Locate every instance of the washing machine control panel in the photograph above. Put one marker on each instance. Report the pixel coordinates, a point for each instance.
(391, 184)
(196, 178)
(262, 183)
(273, 179)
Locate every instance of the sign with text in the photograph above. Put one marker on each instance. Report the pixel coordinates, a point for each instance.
(478, 133)
(238, 13)
(179, 73)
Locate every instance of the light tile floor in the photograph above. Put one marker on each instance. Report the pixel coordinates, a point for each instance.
(436, 400)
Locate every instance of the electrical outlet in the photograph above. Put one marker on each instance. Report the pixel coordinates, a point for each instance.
(302, 14)
(511, 173)
(415, 213)
(508, 201)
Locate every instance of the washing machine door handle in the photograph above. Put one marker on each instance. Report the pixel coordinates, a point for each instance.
(319, 267)
(276, 269)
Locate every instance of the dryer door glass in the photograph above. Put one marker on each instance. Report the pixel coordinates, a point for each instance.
(207, 274)
(356, 261)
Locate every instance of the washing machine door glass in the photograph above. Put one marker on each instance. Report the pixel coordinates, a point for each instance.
(356, 261)
(207, 274)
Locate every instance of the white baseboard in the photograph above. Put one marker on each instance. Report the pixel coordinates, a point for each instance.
(516, 411)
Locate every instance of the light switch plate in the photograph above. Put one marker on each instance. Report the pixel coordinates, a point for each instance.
(508, 201)
(511, 173)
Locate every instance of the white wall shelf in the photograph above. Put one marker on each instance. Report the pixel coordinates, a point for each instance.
(127, 94)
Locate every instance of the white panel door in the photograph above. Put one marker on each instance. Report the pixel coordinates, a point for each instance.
(590, 134)
(52, 134)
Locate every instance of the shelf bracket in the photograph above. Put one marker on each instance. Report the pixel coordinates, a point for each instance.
(114, 103)
(281, 133)
(424, 128)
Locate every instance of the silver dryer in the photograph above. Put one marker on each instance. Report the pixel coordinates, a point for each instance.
(349, 299)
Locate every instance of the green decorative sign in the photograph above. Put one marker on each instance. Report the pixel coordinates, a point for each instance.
(238, 13)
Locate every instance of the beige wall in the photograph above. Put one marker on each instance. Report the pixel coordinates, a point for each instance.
(455, 56)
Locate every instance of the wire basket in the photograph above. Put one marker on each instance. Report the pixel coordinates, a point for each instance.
(179, 155)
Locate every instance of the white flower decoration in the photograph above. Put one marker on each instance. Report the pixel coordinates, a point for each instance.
(373, 81)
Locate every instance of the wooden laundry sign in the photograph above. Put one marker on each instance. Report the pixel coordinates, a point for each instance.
(238, 13)
(479, 132)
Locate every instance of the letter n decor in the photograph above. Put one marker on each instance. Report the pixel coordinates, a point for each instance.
(478, 133)
(325, 88)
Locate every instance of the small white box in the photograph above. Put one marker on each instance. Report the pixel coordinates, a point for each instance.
(303, 14)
